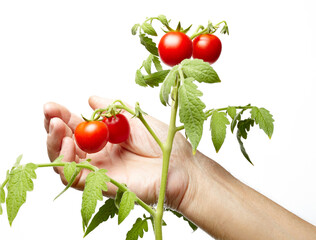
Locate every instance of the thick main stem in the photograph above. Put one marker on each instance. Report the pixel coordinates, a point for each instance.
(165, 166)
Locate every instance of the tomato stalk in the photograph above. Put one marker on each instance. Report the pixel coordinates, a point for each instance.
(167, 148)
(210, 29)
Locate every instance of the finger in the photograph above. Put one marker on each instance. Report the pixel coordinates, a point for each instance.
(54, 110)
(96, 102)
(68, 151)
(58, 130)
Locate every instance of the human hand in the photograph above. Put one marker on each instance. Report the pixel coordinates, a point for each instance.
(135, 162)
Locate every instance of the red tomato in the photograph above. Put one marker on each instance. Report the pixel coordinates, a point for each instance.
(119, 128)
(174, 47)
(92, 136)
(207, 47)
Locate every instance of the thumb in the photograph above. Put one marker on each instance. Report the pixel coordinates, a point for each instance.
(96, 102)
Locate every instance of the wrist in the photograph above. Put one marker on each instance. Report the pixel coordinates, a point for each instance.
(199, 177)
(203, 201)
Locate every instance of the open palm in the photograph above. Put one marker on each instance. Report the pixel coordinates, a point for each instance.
(136, 162)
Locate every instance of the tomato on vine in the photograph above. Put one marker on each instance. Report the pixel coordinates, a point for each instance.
(207, 47)
(174, 47)
(91, 136)
(119, 128)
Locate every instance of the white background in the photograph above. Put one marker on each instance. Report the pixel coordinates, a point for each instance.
(65, 51)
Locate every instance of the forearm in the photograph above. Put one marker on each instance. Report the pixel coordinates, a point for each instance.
(228, 209)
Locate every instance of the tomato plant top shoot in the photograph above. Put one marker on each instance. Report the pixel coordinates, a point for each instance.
(179, 91)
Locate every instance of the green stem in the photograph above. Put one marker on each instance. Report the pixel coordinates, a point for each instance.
(206, 30)
(198, 32)
(209, 112)
(123, 188)
(165, 166)
(4, 183)
(142, 119)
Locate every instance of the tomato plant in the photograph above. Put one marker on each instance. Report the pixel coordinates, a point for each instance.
(91, 136)
(207, 47)
(188, 113)
(119, 128)
(174, 47)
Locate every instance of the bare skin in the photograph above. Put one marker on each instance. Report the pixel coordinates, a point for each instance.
(197, 186)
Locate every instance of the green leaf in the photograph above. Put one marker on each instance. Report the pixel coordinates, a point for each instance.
(265, 120)
(20, 181)
(135, 28)
(149, 44)
(163, 20)
(157, 63)
(2, 196)
(191, 111)
(169, 81)
(235, 120)
(147, 63)
(179, 215)
(138, 110)
(139, 79)
(94, 185)
(218, 128)
(70, 182)
(17, 162)
(126, 205)
(232, 112)
(199, 70)
(108, 210)
(244, 127)
(225, 30)
(148, 28)
(69, 170)
(242, 148)
(2, 199)
(58, 159)
(154, 79)
(138, 229)
(118, 198)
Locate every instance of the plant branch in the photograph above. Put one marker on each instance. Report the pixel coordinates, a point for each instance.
(165, 166)
(209, 112)
(140, 202)
(88, 166)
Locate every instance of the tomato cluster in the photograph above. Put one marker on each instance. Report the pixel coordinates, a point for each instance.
(176, 46)
(92, 136)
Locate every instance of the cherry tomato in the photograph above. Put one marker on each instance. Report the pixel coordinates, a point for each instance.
(119, 128)
(207, 47)
(92, 136)
(174, 47)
